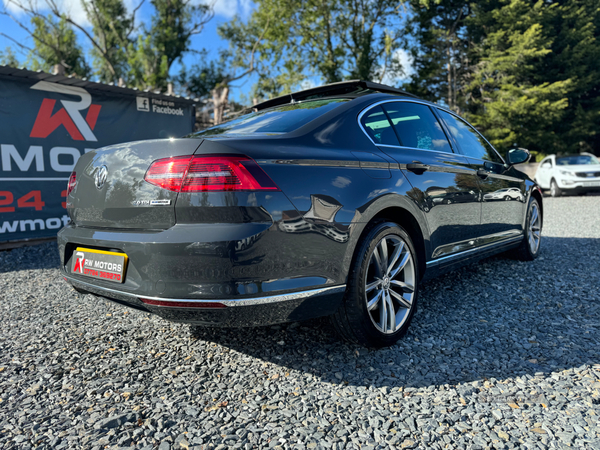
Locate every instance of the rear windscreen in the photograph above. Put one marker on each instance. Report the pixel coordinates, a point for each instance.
(280, 119)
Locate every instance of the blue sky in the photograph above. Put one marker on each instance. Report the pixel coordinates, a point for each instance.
(208, 39)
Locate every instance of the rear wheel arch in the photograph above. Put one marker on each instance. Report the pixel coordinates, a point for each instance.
(406, 220)
(538, 196)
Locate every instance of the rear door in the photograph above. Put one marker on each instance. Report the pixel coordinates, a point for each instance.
(503, 188)
(410, 133)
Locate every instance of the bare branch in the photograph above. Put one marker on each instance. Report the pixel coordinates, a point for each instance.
(207, 17)
(133, 13)
(251, 67)
(28, 30)
(21, 46)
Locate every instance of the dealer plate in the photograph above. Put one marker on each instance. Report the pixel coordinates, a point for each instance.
(109, 266)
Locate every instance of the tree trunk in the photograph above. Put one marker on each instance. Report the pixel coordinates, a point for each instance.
(450, 97)
(220, 97)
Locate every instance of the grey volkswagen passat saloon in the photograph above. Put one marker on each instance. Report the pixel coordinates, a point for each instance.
(333, 201)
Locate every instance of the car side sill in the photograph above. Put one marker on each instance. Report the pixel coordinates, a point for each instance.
(135, 298)
(473, 251)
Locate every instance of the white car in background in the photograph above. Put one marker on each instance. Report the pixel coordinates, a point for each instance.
(504, 194)
(571, 174)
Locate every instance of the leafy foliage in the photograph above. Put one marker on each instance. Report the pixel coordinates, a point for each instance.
(8, 58)
(522, 71)
(55, 42)
(332, 39)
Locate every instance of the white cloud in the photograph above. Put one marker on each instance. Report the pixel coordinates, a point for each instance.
(73, 8)
(231, 8)
(406, 60)
(307, 84)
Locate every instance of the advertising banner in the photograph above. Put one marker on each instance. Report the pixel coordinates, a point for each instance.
(45, 127)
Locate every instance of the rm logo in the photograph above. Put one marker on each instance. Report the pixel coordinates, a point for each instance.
(68, 116)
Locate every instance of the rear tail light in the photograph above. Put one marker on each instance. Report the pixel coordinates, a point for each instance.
(72, 183)
(168, 173)
(209, 173)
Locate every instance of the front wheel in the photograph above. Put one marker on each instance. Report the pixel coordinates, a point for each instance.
(555, 191)
(381, 295)
(530, 247)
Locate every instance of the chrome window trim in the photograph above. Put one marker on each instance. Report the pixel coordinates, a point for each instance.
(381, 102)
(247, 301)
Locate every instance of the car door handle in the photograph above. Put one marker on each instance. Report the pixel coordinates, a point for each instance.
(417, 167)
(482, 174)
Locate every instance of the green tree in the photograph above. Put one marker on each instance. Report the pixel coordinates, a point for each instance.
(112, 26)
(439, 47)
(511, 96)
(55, 43)
(575, 56)
(174, 24)
(333, 39)
(8, 58)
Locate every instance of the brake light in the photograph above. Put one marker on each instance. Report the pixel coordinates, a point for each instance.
(72, 183)
(209, 173)
(168, 173)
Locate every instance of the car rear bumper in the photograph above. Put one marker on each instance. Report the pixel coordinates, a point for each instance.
(215, 274)
(239, 312)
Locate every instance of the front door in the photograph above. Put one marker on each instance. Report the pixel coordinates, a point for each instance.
(504, 191)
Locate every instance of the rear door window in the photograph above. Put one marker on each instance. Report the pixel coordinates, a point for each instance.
(470, 141)
(417, 127)
(378, 127)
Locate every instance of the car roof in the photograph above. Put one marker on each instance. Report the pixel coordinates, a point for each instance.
(344, 89)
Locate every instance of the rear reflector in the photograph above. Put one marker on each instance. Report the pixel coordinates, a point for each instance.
(209, 173)
(183, 303)
(72, 183)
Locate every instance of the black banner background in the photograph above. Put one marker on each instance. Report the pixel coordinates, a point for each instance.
(45, 127)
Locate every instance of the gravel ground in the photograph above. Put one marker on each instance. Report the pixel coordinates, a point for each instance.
(502, 354)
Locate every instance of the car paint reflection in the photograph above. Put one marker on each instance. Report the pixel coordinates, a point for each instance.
(506, 194)
(319, 219)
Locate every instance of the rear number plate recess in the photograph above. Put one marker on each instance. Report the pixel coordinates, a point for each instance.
(100, 264)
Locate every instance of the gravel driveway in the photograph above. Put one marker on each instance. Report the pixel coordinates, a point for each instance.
(502, 354)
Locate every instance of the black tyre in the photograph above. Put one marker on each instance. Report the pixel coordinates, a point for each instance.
(381, 295)
(555, 191)
(530, 247)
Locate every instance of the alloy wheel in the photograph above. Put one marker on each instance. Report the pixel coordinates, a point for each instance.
(390, 284)
(535, 228)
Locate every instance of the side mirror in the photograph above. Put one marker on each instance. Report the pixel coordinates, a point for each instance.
(517, 156)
